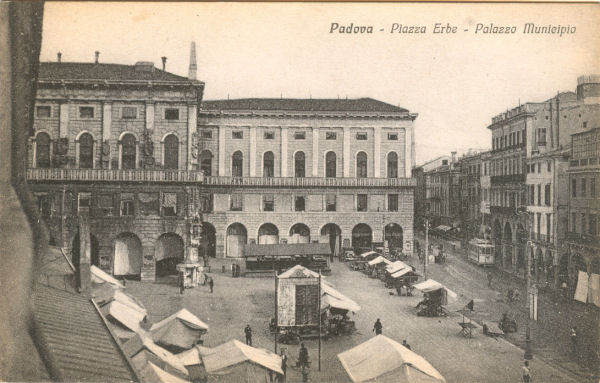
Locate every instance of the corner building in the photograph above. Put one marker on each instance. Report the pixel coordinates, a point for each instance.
(307, 170)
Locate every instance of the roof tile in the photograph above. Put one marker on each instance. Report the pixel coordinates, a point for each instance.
(303, 105)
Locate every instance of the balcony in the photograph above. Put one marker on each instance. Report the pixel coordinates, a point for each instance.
(309, 182)
(112, 175)
(506, 210)
(506, 179)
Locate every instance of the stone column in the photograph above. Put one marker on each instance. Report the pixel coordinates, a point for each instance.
(221, 151)
(315, 152)
(63, 129)
(377, 152)
(284, 151)
(191, 128)
(346, 152)
(252, 151)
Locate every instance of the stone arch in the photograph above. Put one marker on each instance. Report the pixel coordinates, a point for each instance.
(85, 150)
(299, 164)
(394, 234)
(299, 233)
(169, 250)
(332, 234)
(268, 164)
(206, 159)
(330, 164)
(237, 237)
(362, 236)
(362, 164)
(127, 260)
(128, 147)
(43, 149)
(237, 164)
(268, 234)
(171, 151)
(391, 164)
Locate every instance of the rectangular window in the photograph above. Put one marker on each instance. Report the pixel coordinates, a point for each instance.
(531, 194)
(299, 203)
(149, 203)
(542, 136)
(45, 205)
(592, 187)
(83, 202)
(43, 111)
(330, 135)
(548, 226)
(593, 224)
(269, 135)
(361, 202)
(574, 188)
(539, 167)
(392, 202)
(171, 114)
(547, 194)
(127, 205)
(169, 204)
(206, 133)
(583, 223)
(86, 112)
(549, 166)
(105, 205)
(236, 202)
(583, 187)
(539, 195)
(299, 135)
(129, 112)
(539, 223)
(361, 136)
(330, 202)
(268, 202)
(237, 134)
(392, 136)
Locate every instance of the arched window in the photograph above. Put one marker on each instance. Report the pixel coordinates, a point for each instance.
(86, 151)
(171, 152)
(237, 164)
(128, 152)
(206, 162)
(392, 165)
(42, 150)
(268, 165)
(361, 165)
(330, 164)
(299, 165)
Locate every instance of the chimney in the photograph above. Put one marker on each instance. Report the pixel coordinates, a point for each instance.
(193, 68)
(58, 57)
(453, 157)
(164, 61)
(97, 54)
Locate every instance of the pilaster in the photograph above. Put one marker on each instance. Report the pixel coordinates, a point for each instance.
(315, 152)
(377, 151)
(221, 151)
(252, 151)
(63, 129)
(191, 128)
(346, 152)
(284, 151)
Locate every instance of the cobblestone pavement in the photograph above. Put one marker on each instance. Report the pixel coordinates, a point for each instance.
(240, 301)
(556, 315)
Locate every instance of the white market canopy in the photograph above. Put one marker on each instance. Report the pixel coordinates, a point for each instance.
(154, 374)
(431, 285)
(397, 266)
(332, 297)
(180, 330)
(379, 260)
(368, 253)
(234, 352)
(194, 355)
(382, 359)
(401, 272)
(99, 276)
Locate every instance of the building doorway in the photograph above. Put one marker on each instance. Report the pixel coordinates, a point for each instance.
(237, 237)
(362, 237)
(169, 251)
(394, 235)
(128, 256)
(268, 234)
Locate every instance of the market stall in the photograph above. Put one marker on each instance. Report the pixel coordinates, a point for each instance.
(179, 331)
(262, 258)
(435, 295)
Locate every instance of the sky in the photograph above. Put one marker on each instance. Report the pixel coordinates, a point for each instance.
(455, 82)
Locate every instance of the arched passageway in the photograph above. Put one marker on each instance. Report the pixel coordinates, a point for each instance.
(208, 244)
(332, 234)
(128, 256)
(362, 236)
(299, 233)
(394, 235)
(168, 252)
(268, 234)
(237, 237)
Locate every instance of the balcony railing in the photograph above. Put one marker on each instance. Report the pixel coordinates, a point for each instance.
(110, 175)
(511, 178)
(309, 182)
(507, 210)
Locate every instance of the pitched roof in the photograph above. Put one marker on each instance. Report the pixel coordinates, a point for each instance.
(235, 352)
(92, 71)
(303, 105)
(74, 339)
(286, 249)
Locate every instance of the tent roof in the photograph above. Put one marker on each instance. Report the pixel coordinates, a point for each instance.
(378, 260)
(380, 356)
(194, 355)
(401, 272)
(396, 266)
(298, 271)
(185, 316)
(366, 254)
(286, 249)
(431, 285)
(140, 342)
(124, 314)
(337, 299)
(235, 352)
(99, 276)
(154, 374)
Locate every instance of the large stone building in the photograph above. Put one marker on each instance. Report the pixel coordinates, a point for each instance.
(307, 170)
(470, 196)
(443, 194)
(422, 203)
(133, 148)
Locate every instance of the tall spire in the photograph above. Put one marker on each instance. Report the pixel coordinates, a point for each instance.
(193, 68)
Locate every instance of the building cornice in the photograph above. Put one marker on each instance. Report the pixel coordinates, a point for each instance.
(307, 115)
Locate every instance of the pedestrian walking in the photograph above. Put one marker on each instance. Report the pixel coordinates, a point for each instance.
(489, 278)
(573, 335)
(211, 285)
(405, 344)
(303, 356)
(378, 327)
(283, 364)
(180, 281)
(526, 372)
(248, 332)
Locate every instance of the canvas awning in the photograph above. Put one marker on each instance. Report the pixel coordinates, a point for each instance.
(286, 249)
(431, 285)
(443, 228)
(368, 253)
(194, 355)
(397, 266)
(235, 352)
(99, 276)
(401, 272)
(332, 297)
(142, 343)
(178, 331)
(379, 260)
(154, 374)
(382, 359)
